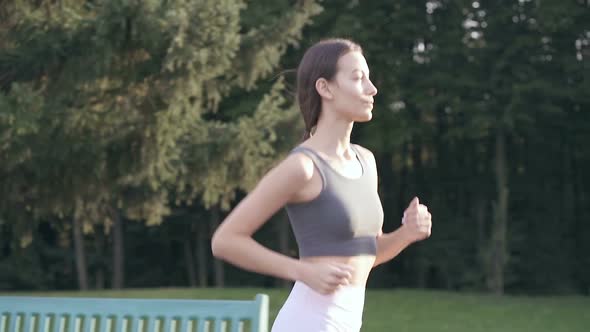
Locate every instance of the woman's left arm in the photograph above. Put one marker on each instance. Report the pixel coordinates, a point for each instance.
(389, 245)
(416, 226)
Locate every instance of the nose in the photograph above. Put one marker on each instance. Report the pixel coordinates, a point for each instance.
(371, 89)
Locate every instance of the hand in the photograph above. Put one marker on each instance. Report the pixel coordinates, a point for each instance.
(417, 221)
(324, 277)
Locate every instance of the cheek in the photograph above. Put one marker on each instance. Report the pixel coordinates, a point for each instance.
(350, 89)
(347, 95)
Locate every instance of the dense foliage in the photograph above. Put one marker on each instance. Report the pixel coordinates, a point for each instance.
(128, 129)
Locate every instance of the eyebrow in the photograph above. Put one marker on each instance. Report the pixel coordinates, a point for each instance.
(368, 71)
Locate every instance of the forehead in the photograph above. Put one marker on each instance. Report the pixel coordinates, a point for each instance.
(353, 60)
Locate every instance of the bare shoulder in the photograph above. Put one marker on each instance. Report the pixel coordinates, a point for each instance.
(366, 153)
(297, 166)
(287, 178)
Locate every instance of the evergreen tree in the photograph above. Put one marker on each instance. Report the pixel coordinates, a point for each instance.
(110, 100)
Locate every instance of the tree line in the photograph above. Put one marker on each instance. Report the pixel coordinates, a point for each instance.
(128, 129)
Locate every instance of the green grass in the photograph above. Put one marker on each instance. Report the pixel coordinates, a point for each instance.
(413, 310)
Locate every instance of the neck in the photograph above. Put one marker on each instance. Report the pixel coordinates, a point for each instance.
(332, 135)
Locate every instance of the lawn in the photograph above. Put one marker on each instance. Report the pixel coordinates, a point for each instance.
(413, 310)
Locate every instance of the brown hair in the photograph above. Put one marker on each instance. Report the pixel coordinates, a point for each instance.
(319, 61)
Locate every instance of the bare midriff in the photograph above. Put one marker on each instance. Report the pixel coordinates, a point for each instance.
(361, 266)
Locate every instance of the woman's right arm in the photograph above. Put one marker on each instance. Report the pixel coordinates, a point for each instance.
(233, 242)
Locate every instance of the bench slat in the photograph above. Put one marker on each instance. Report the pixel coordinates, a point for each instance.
(219, 325)
(52, 323)
(87, 324)
(181, 325)
(236, 326)
(202, 325)
(12, 323)
(25, 322)
(41, 322)
(70, 321)
(120, 324)
(165, 324)
(102, 322)
(134, 324)
(151, 324)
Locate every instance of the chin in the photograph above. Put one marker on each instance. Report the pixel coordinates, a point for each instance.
(364, 118)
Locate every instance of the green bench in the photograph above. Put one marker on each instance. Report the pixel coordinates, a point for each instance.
(67, 314)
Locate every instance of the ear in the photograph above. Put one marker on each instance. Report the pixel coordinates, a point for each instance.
(323, 88)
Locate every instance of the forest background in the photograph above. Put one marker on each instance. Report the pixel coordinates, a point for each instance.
(129, 129)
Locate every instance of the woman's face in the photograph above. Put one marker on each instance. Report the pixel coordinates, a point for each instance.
(352, 89)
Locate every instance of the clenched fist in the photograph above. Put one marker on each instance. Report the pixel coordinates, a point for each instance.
(324, 277)
(417, 221)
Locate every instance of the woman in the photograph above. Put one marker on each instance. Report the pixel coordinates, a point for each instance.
(329, 189)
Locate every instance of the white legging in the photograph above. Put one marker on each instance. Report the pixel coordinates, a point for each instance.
(309, 311)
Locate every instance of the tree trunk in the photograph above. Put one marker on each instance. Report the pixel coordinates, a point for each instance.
(498, 251)
(118, 251)
(390, 195)
(405, 188)
(569, 253)
(480, 240)
(218, 266)
(80, 254)
(202, 252)
(99, 248)
(568, 187)
(189, 261)
(582, 245)
(420, 259)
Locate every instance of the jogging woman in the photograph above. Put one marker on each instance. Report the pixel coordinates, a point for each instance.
(329, 188)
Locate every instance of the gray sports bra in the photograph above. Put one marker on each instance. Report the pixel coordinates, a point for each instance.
(344, 219)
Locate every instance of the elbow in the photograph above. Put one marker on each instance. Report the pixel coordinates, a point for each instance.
(217, 246)
(226, 244)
